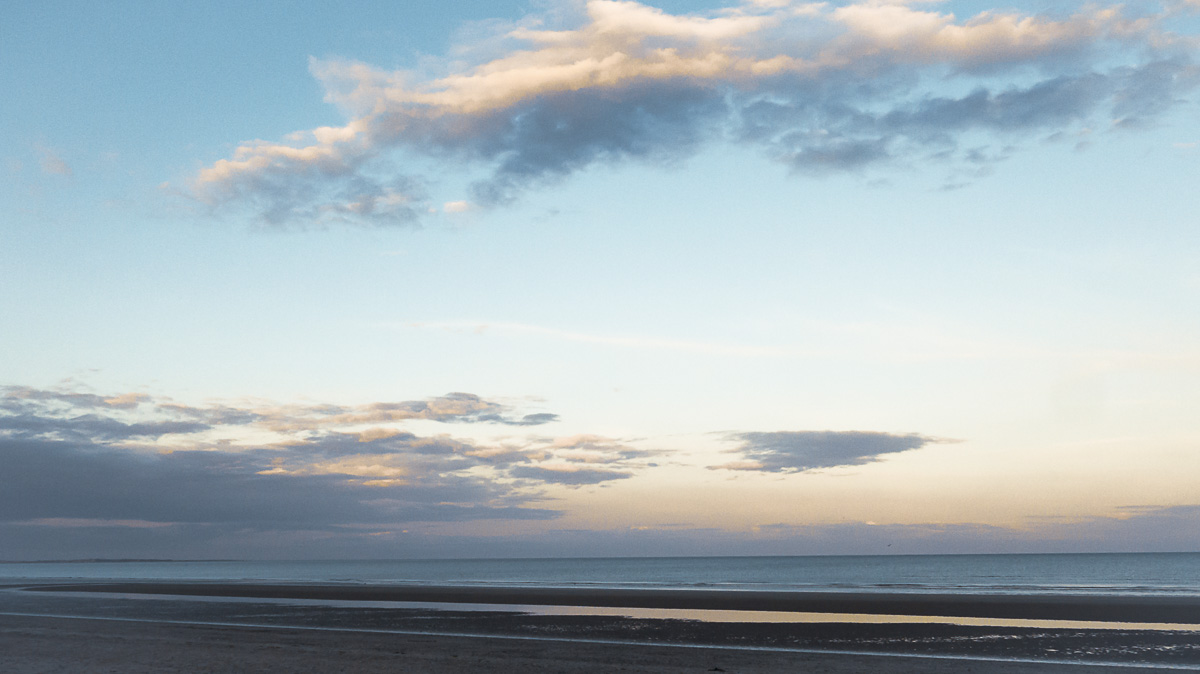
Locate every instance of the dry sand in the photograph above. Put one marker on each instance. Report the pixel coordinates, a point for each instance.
(89, 646)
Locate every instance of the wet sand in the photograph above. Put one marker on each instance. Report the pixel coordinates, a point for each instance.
(90, 646)
(1033, 607)
(198, 626)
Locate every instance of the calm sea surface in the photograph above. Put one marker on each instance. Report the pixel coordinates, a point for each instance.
(1121, 574)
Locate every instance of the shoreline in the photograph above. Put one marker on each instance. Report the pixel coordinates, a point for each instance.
(1092, 608)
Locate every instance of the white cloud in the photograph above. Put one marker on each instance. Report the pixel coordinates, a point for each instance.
(819, 88)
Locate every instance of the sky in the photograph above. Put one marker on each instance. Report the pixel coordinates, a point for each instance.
(598, 278)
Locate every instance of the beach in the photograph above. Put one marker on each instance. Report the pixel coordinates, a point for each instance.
(89, 646)
(222, 626)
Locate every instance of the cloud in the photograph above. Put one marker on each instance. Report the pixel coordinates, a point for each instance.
(89, 522)
(47, 479)
(569, 474)
(820, 88)
(66, 413)
(43, 411)
(450, 408)
(533, 419)
(88, 475)
(57, 482)
(1157, 529)
(75, 459)
(798, 451)
(1140, 530)
(52, 163)
(1128, 529)
(94, 427)
(13, 395)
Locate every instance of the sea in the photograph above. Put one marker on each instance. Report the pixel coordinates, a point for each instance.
(1115, 574)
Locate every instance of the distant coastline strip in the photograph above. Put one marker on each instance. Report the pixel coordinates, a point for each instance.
(1090, 608)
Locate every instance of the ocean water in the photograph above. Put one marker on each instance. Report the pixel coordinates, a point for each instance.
(1172, 574)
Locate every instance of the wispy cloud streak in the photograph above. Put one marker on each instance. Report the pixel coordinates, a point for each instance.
(623, 341)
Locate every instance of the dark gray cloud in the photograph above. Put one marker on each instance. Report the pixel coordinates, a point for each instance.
(78, 460)
(528, 420)
(1137, 529)
(835, 88)
(552, 136)
(80, 415)
(838, 130)
(49, 480)
(17, 398)
(797, 451)
(575, 476)
(94, 427)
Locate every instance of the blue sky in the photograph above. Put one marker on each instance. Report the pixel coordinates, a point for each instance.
(577, 278)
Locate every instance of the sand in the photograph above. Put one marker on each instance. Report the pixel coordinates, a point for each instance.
(218, 627)
(90, 646)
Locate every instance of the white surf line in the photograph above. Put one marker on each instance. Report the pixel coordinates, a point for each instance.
(702, 615)
(619, 642)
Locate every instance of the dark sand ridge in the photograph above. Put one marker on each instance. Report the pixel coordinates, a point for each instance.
(1185, 610)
